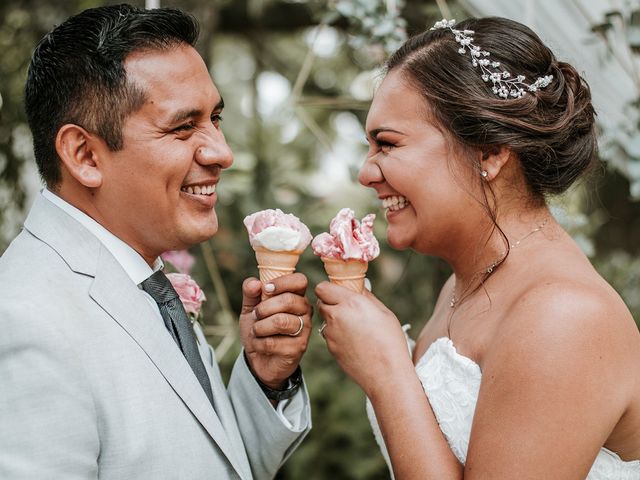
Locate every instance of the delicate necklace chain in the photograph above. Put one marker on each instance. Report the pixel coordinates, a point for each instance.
(537, 229)
(453, 302)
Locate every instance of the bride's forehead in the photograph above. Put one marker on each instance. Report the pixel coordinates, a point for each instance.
(396, 90)
(396, 100)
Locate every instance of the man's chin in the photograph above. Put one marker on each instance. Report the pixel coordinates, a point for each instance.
(205, 233)
(199, 229)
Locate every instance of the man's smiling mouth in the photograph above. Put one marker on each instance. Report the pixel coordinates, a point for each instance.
(200, 189)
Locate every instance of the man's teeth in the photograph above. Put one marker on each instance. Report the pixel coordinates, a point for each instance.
(200, 190)
(395, 202)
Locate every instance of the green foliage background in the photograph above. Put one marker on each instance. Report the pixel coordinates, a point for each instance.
(302, 156)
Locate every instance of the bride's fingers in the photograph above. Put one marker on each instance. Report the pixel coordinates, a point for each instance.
(374, 299)
(332, 294)
(325, 311)
(322, 309)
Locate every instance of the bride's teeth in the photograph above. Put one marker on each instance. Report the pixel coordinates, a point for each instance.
(395, 202)
(190, 190)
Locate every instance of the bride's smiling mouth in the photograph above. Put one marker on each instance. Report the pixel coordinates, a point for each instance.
(394, 203)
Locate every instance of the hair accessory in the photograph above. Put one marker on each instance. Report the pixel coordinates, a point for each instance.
(504, 85)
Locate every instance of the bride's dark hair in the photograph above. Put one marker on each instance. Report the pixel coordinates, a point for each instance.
(552, 131)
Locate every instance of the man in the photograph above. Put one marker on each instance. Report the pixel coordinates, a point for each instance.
(100, 374)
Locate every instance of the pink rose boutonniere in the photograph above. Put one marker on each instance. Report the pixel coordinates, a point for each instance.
(190, 293)
(181, 260)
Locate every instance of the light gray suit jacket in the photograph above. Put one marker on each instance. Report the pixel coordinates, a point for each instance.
(93, 386)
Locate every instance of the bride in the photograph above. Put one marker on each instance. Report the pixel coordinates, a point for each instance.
(528, 366)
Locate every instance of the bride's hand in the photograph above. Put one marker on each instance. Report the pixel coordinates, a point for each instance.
(362, 334)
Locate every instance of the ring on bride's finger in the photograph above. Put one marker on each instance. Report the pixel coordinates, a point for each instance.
(321, 329)
(297, 332)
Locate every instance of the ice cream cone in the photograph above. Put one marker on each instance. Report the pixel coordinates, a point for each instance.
(272, 264)
(347, 273)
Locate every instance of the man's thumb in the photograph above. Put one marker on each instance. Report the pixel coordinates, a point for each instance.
(251, 292)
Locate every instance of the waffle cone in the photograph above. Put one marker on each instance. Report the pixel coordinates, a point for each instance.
(272, 264)
(347, 273)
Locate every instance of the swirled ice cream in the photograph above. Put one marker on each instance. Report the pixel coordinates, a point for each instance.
(277, 231)
(347, 248)
(348, 239)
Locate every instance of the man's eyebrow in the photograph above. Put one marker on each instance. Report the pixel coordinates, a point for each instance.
(182, 115)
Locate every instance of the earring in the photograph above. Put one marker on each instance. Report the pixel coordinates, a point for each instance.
(484, 174)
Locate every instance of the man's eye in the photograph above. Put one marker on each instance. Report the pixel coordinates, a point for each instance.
(184, 127)
(216, 119)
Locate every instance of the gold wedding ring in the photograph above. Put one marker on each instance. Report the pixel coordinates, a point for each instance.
(299, 329)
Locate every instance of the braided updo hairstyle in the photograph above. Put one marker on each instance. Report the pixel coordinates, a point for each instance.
(552, 131)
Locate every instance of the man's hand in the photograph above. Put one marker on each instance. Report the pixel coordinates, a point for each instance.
(267, 327)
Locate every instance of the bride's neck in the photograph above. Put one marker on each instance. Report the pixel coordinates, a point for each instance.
(484, 253)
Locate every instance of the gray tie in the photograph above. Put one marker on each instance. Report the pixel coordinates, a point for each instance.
(179, 326)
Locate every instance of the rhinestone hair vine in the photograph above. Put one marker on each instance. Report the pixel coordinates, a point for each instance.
(504, 85)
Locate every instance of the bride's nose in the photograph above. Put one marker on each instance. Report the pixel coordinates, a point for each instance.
(370, 173)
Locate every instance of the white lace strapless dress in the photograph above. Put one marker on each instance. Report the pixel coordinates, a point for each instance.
(451, 382)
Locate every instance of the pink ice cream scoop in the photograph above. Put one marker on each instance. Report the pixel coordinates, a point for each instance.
(277, 231)
(278, 240)
(348, 239)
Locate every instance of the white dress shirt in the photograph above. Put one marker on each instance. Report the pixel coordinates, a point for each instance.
(131, 261)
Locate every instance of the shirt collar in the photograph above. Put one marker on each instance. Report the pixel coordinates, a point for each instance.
(130, 260)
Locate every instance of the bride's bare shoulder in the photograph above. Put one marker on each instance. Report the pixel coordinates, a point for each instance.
(578, 319)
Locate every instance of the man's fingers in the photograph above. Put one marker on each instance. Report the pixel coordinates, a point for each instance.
(282, 324)
(283, 303)
(251, 290)
(294, 283)
(289, 349)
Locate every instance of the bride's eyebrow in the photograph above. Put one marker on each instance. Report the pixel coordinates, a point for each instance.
(377, 131)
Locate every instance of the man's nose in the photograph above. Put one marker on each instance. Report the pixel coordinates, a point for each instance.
(215, 151)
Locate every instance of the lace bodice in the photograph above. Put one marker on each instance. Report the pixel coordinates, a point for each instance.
(452, 382)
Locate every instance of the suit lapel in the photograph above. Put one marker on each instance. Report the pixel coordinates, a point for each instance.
(116, 294)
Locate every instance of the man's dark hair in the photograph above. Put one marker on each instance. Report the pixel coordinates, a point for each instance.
(77, 74)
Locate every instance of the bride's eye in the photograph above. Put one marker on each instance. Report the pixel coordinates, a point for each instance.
(384, 145)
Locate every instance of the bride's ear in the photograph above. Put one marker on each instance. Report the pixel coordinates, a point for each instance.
(493, 160)
(75, 147)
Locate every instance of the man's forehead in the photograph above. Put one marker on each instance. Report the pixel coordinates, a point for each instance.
(176, 82)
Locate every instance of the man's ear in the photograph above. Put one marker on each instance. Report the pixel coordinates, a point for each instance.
(493, 160)
(75, 149)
